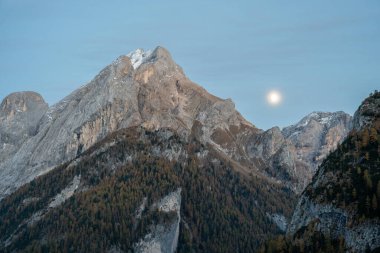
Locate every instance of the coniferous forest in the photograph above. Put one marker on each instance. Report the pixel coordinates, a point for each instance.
(218, 204)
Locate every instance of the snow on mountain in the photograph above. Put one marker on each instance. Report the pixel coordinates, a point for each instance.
(318, 133)
(138, 57)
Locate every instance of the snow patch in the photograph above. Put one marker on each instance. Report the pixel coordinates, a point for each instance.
(325, 120)
(138, 57)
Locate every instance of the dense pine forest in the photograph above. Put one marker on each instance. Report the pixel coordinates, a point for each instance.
(221, 211)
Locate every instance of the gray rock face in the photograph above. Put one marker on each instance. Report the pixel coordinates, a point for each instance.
(153, 93)
(368, 110)
(315, 210)
(20, 114)
(279, 220)
(163, 238)
(293, 154)
(277, 155)
(328, 217)
(149, 89)
(334, 222)
(318, 134)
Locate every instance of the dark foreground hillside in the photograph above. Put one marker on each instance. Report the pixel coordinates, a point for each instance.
(104, 200)
(340, 210)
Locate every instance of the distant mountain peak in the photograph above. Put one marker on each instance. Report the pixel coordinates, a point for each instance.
(367, 111)
(323, 118)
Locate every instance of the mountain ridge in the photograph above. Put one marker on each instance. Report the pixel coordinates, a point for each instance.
(339, 211)
(154, 94)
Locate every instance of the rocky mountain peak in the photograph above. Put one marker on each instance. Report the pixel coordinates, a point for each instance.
(341, 202)
(138, 57)
(20, 114)
(315, 135)
(367, 111)
(20, 102)
(139, 89)
(324, 119)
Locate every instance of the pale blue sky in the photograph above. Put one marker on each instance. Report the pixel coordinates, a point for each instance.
(322, 55)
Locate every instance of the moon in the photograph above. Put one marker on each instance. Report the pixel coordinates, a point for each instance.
(274, 97)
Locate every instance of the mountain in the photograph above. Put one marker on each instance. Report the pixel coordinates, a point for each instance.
(20, 114)
(339, 210)
(153, 92)
(317, 134)
(144, 191)
(314, 137)
(152, 160)
(149, 89)
(293, 154)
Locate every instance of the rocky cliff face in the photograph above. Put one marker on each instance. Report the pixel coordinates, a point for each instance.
(151, 91)
(20, 114)
(341, 203)
(293, 154)
(163, 237)
(367, 112)
(276, 155)
(317, 134)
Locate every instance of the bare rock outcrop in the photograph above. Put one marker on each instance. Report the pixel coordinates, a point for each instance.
(317, 134)
(163, 238)
(341, 201)
(20, 114)
(147, 88)
(152, 92)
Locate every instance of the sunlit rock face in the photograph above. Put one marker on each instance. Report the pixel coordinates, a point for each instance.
(316, 135)
(151, 91)
(148, 89)
(294, 153)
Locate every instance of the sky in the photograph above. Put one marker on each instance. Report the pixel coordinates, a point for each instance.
(320, 55)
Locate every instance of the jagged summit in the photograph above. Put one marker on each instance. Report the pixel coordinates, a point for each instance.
(20, 101)
(148, 89)
(138, 56)
(323, 118)
(154, 94)
(317, 134)
(141, 56)
(20, 113)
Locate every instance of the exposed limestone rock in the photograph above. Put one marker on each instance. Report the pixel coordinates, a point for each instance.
(65, 193)
(20, 114)
(163, 238)
(149, 89)
(335, 222)
(278, 154)
(279, 220)
(317, 134)
(320, 208)
(368, 110)
(327, 215)
(155, 94)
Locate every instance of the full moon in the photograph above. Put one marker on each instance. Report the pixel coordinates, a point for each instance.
(274, 97)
